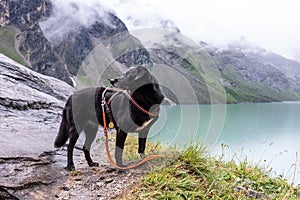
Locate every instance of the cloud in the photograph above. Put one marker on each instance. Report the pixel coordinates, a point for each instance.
(140, 14)
(271, 24)
(69, 16)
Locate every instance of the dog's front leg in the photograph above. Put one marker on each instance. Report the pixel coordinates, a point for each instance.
(120, 141)
(142, 143)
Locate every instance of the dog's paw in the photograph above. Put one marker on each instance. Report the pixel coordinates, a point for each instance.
(120, 164)
(142, 155)
(93, 164)
(70, 168)
(123, 166)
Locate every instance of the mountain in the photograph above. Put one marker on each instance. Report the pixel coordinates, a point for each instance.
(90, 43)
(24, 29)
(255, 75)
(233, 74)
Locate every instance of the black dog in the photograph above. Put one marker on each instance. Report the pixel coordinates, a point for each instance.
(83, 112)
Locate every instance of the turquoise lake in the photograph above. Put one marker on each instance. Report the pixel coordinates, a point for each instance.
(267, 134)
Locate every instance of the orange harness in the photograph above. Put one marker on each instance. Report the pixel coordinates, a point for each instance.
(103, 104)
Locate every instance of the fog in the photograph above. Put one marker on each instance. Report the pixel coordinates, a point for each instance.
(270, 24)
(69, 15)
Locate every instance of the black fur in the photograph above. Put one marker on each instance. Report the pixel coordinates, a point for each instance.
(83, 112)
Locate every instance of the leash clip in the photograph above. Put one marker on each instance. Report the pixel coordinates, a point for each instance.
(103, 104)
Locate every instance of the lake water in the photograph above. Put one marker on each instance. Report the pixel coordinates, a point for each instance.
(267, 134)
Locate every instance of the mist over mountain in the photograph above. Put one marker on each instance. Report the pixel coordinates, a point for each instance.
(274, 26)
(140, 14)
(60, 38)
(54, 39)
(69, 17)
(252, 73)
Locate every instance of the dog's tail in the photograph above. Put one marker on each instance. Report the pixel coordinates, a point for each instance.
(62, 135)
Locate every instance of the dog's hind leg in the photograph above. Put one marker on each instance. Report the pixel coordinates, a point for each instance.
(120, 141)
(72, 141)
(90, 134)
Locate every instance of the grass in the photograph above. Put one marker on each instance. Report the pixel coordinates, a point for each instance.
(130, 150)
(193, 174)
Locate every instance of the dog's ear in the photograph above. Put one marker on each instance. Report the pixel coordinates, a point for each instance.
(113, 81)
(142, 72)
(139, 75)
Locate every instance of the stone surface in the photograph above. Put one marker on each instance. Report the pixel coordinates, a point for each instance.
(30, 106)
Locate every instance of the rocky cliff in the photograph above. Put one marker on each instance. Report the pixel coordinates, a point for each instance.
(29, 102)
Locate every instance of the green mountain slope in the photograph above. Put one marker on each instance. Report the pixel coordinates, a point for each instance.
(8, 43)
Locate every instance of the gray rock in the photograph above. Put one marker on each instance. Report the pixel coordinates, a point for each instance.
(30, 105)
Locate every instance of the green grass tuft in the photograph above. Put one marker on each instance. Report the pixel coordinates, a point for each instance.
(195, 175)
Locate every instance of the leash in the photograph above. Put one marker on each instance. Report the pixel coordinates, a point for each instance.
(103, 104)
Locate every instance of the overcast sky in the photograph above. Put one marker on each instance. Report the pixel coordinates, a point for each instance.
(271, 24)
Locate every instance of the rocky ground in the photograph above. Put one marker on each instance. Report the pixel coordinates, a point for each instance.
(45, 177)
(30, 167)
(102, 182)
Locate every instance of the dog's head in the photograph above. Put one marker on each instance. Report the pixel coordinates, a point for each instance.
(137, 79)
(144, 89)
(133, 78)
